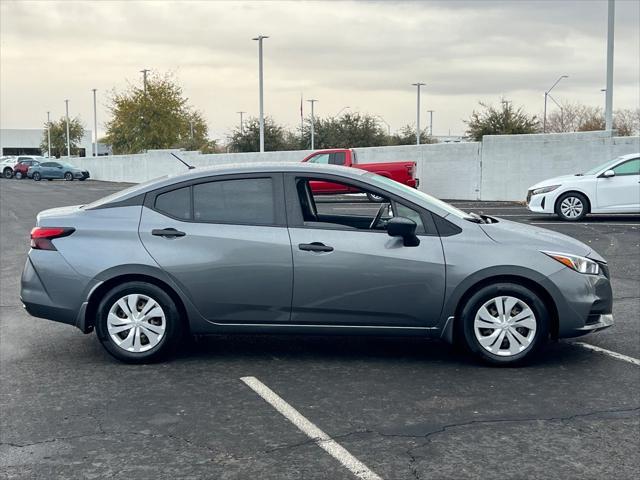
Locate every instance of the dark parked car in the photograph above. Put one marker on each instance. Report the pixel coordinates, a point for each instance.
(25, 162)
(253, 249)
(53, 170)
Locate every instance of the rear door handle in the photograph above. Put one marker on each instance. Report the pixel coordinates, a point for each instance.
(167, 232)
(315, 247)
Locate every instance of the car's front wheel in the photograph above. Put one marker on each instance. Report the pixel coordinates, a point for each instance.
(505, 323)
(138, 322)
(572, 206)
(37, 177)
(7, 172)
(68, 176)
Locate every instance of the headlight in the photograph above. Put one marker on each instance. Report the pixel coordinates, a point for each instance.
(548, 189)
(576, 262)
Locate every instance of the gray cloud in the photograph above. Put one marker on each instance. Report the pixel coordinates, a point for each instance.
(361, 54)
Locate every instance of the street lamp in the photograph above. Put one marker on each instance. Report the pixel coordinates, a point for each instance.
(418, 85)
(312, 101)
(608, 109)
(48, 135)
(95, 125)
(241, 123)
(430, 122)
(66, 104)
(546, 94)
(259, 39)
(144, 72)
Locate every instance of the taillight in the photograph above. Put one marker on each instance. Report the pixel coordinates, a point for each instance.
(411, 169)
(41, 236)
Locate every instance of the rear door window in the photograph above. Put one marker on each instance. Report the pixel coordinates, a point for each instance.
(243, 201)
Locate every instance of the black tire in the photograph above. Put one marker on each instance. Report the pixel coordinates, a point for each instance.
(7, 172)
(36, 176)
(539, 336)
(19, 175)
(68, 176)
(576, 199)
(173, 327)
(375, 198)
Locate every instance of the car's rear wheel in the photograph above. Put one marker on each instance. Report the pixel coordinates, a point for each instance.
(572, 206)
(68, 176)
(138, 322)
(19, 175)
(505, 323)
(7, 172)
(37, 177)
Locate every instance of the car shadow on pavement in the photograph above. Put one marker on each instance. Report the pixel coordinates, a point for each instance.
(342, 348)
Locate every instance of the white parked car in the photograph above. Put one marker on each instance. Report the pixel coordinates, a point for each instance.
(6, 166)
(613, 187)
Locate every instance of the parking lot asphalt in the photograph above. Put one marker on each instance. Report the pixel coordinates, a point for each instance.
(404, 407)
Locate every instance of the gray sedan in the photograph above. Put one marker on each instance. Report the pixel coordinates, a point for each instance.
(257, 249)
(53, 170)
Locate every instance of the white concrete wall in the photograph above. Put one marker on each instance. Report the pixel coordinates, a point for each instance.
(511, 164)
(498, 168)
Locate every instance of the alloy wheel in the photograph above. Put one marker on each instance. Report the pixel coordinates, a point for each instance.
(136, 323)
(505, 326)
(571, 207)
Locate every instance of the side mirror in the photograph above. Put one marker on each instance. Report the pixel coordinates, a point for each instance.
(405, 228)
(609, 174)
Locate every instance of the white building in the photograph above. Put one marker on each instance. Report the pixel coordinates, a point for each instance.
(26, 141)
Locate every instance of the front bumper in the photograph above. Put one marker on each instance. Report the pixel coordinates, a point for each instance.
(602, 321)
(541, 203)
(81, 175)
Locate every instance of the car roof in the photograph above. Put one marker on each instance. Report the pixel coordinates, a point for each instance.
(227, 169)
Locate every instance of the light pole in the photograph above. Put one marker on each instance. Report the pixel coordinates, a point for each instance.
(241, 123)
(144, 72)
(191, 128)
(312, 101)
(546, 94)
(259, 39)
(341, 110)
(66, 104)
(608, 109)
(418, 85)
(48, 135)
(430, 122)
(95, 125)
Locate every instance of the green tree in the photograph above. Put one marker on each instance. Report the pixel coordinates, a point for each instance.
(276, 137)
(58, 132)
(505, 120)
(157, 118)
(407, 136)
(348, 130)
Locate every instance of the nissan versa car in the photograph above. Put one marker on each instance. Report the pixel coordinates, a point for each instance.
(252, 249)
(613, 187)
(53, 170)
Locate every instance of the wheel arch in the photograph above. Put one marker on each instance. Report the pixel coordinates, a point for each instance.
(452, 330)
(98, 293)
(573, 190)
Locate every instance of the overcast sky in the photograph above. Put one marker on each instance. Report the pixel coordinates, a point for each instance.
(363, 55)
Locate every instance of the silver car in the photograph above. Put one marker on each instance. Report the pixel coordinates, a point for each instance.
(256, 248)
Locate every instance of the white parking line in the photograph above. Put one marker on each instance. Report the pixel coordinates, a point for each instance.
(323, 440)
(616, 355)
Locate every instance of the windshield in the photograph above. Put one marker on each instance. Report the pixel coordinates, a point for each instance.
(595, 170)
(416, 195)
(114, 197)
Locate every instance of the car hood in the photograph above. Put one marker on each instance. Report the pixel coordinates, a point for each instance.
(505, 231)
(562, 179)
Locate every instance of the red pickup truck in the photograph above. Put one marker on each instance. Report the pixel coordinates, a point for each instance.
(403, 172)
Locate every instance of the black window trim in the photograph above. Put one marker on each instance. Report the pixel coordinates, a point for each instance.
(278, 197)
(294, 211)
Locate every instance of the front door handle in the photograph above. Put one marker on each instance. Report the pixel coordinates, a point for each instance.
(315, 247)
(167, 232)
